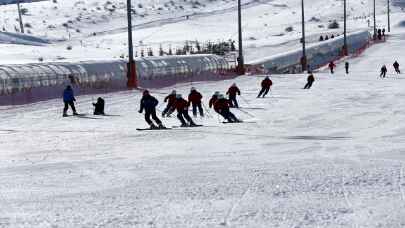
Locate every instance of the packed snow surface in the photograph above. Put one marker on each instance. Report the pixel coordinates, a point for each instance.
(332, 156)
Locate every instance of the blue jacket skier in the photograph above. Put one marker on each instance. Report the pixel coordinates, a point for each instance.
(68, 100)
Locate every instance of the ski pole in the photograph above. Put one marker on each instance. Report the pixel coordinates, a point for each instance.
(247, 113)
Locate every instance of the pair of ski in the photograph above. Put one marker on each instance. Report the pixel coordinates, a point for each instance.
(86, 116)
(168, 128)
(188, 126)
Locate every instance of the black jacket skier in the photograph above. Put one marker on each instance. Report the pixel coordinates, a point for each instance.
(396, 67)
(149, 103)
(347, 67)
(99, 106)
(310, 80)
(383, 71)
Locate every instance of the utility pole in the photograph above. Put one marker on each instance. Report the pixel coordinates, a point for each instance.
(132, 83)
(375, 23)
(345, 29)
(389, 19)
(241, 66)
(20, 17)
(304, 55)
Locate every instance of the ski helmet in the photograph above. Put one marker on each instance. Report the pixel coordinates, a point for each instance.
(173, 91)
(217, 93)
(178, 96)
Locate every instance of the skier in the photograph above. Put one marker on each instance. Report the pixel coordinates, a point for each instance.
(266, 84)
(194, 98)
(170, 99)
(347, 67)
(182, 111)
(379, 34)
(321, 38)
(331, 66)
(213, 99)
(383, 32)
(68, 100)
(221, 106)
(232, 92)
(396, 66)
(149, 103)
(383, 71)
(99, 106)
(310, 80)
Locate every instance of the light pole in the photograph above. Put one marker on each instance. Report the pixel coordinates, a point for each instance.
(240, 68)
(304, 55)
(20, 17)
(131, 63)
(345, 29)
(389, 19)
(375, 23)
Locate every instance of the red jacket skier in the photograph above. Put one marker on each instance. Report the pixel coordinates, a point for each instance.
(331, 67)
(194, 98)
(182, 111)
(221, 106)
(266, 84)
(213, 99)
(232, 92)
(170, 99)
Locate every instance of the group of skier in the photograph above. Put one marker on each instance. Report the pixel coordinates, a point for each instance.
(176, 102)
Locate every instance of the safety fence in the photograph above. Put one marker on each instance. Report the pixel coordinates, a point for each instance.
(317, 55)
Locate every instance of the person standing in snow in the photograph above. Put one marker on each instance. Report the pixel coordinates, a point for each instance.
(266, 85)
(99, 106)
(149, 103)
(310, 80)
(221, 106)
(332, 67)
(182, 111)
(68, 100)
(195, 100)
(347, 67)
(396, 67)
(170, 99)
(383, 72)
(213, 99)
(232, 92)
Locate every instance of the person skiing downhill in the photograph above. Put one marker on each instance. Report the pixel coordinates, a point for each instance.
(396, 67)
(149, 103)
(213, 99)
(310, 80)
(170, 99)
(182, 111)
(194, 98)
(383, 72)
(266, 85)
(232, 92)
(332, 67)
(68, 100)
(347, 67)
(99, 106)
(221, 106)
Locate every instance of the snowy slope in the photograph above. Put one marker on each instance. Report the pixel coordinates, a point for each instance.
(74, 23)
(331, 156)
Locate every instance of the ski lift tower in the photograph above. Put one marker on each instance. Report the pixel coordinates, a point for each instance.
(18, 2)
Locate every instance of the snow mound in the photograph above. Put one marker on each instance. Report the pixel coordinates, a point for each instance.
(16, 38)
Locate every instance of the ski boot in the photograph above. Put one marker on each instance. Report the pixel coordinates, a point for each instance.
(152, 126)
(65, 115)
(161, 126)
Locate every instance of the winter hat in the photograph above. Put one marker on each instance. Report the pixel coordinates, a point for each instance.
(192, 89)
(221, 96)
(173, 91)
(234, 84)
(217, 93)
(146, 92)
(178, 96)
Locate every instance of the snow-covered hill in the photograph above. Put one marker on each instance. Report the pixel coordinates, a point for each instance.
(332, 156)
(92, 29)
